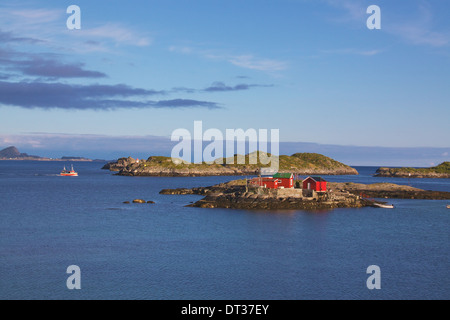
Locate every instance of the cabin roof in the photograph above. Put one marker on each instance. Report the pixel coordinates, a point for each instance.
(317, 179)
(283, 175)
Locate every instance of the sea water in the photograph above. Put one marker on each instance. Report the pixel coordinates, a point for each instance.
(168, 251)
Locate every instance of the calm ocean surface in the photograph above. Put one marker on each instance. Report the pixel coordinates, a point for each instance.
(167, 251)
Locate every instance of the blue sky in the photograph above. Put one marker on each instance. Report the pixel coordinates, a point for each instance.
(141, 69)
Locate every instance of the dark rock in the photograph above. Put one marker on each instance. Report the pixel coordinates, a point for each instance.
(177, 191)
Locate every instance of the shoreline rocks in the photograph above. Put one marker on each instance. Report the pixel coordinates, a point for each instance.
(250, 201)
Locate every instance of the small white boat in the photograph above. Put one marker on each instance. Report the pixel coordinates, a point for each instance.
(385, 206)
(448, 206)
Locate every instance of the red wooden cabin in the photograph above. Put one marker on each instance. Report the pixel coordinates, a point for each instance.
(315, 183)
(285, 180)
(270, 183)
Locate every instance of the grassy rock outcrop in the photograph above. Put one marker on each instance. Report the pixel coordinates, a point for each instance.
(298, 163)
(440, 171)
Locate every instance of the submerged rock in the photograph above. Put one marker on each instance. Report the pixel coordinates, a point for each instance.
(140, 201)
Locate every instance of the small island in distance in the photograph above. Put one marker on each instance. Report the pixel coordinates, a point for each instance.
(12, 153)
(440, 171)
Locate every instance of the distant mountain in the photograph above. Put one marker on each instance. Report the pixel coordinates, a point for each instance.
(14, 153)
(10, 152)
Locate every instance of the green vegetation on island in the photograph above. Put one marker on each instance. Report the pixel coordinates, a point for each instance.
(250, 164)
(440, 171)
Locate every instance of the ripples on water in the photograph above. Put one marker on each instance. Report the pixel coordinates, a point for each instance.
(167, 251)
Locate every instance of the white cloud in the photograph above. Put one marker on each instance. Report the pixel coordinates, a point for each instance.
(39, 24)
(44, 144)
(247, 61)
(352, 51)
(420, 33)
(49, 25)
(416, 30)
(252, 62)
(33, 16)
(118, 33)
(355, 10)
(184, 50)
(420, 30)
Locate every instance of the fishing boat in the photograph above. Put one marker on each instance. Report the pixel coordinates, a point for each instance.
(382, 205)
(69, 173)
(448, 206)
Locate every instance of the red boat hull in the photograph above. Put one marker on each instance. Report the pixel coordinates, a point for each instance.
(70, 174)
